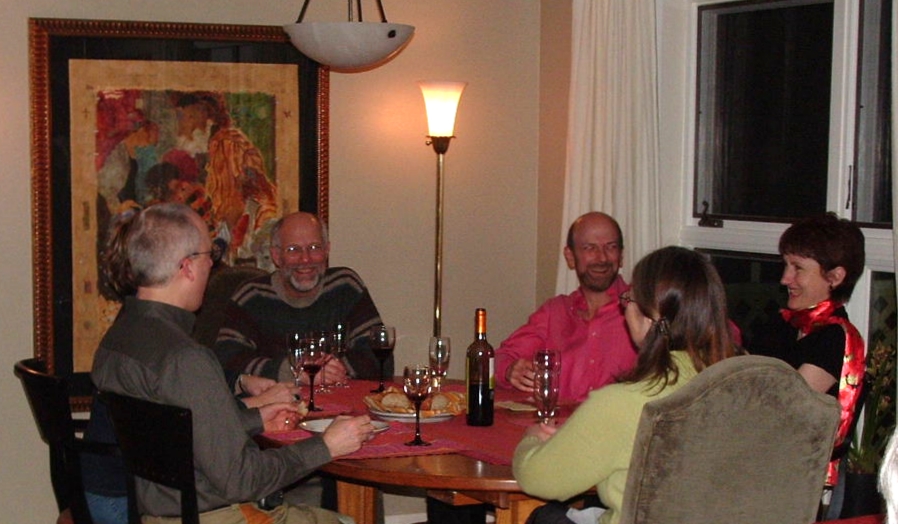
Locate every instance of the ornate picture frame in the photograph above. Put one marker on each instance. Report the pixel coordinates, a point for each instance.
(55, 44)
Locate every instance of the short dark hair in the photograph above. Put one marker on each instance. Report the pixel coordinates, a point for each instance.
(831, 242)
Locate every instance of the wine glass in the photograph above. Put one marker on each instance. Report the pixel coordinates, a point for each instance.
(382, 339)
(324, 342)
(438, 351)
(547, 359)
(339, 349)
(416, 382)
(294, 350)
(545, 393)
(312, 358)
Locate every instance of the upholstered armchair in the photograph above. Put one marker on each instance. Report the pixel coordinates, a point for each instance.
(746, 441)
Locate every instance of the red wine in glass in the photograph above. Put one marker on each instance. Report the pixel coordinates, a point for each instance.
(416, 383)
(312, 359)
(382, 339)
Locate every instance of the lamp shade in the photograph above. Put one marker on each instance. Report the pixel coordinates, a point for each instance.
(349, 46)
(441, 102)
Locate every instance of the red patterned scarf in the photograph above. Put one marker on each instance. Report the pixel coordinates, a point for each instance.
(853, 364)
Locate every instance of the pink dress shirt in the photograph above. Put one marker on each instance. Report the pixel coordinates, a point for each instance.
(593, 353)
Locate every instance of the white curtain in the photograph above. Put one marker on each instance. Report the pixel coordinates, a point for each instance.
(612, 157)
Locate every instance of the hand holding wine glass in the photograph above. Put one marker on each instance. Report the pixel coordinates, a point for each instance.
(438, 352)
(382, 339)
(416, 382)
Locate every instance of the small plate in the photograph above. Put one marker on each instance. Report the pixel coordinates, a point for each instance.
(318, 425)
(410, 417)
(512, 405)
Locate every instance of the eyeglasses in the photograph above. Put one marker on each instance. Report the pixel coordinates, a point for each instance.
(215, 253)
(623, 300)
(312, 250)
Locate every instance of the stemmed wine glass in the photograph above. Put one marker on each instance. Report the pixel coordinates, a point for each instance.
(416, 382)
(546, 378)
(339, 349)
(324, 339)
(312, 358)
(294, 350)
(438, 351)
(382, 339)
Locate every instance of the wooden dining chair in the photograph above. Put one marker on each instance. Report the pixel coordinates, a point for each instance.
(745, 441)
(48, 396)
(156, 441)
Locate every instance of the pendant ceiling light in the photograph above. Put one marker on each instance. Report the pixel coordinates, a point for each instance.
(349, 46)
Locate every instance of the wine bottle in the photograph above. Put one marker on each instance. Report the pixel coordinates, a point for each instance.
(480, 374)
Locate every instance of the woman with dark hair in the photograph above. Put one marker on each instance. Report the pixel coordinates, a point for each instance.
(676, 314)
(824, 258)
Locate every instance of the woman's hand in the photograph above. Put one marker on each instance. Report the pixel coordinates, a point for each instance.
(278, 392)
(282, 416)
(347, 434)
(541, 431)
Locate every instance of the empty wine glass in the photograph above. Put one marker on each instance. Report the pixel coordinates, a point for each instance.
(312, 358)
(382, 339)
(545, 393)
(339, 349)
(438, 352)
(294, 350)
(416, 382)
(547, 359)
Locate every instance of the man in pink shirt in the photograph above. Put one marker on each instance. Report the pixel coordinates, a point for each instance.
(587, 326)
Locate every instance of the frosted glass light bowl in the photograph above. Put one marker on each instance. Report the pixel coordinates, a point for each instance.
(349, 46)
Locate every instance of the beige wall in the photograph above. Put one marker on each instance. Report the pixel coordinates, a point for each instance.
(382, 180)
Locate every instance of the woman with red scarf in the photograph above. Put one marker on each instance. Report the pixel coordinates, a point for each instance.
(824, 257)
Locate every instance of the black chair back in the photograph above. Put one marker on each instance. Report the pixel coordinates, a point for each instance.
(48, 396)
(156, 442)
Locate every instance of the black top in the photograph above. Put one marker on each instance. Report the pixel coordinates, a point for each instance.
(823, 347)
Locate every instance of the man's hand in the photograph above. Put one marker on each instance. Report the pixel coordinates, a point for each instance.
(277, 392)
(334, 372)
(520, 375)
(282, 416)
(347, 434)
(253, 385)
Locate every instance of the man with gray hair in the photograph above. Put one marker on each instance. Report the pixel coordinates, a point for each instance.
(165, 254)
(302, 295)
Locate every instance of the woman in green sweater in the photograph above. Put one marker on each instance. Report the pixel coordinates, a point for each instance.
(676, 314)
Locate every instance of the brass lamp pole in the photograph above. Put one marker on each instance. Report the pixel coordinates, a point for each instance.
(441, 101)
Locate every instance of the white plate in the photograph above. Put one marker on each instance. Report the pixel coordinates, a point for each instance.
(318, 425)
(410, 417)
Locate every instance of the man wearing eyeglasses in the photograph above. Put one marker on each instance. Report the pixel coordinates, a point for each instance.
(302, 294)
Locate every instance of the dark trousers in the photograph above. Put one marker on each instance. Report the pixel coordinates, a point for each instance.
(441, 513)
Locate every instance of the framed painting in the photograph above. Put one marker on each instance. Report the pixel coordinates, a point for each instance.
(229, 119)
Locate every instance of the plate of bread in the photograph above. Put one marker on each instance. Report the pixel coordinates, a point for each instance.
(392, 404)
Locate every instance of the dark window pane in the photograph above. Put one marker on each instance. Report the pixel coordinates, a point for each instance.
(764, 102)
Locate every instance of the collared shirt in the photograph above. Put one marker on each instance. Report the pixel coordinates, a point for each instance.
(593, 352)
(148, 353)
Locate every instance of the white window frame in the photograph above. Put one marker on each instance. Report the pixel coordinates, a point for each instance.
(675, 16)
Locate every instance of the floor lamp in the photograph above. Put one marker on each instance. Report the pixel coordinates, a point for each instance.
(441, 102)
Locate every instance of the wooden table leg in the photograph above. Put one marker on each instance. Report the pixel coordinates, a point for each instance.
(518, 510)
(357, 501)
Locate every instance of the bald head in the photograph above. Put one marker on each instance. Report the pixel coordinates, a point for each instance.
(593, 219)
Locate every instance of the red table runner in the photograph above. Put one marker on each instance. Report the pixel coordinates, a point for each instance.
(494, 444)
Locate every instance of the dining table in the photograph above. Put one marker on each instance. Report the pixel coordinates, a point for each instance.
(462, 465)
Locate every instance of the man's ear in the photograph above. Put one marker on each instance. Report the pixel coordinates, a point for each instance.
(275, 255)
(569, 258)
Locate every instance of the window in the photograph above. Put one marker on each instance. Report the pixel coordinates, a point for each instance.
(769, 141)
